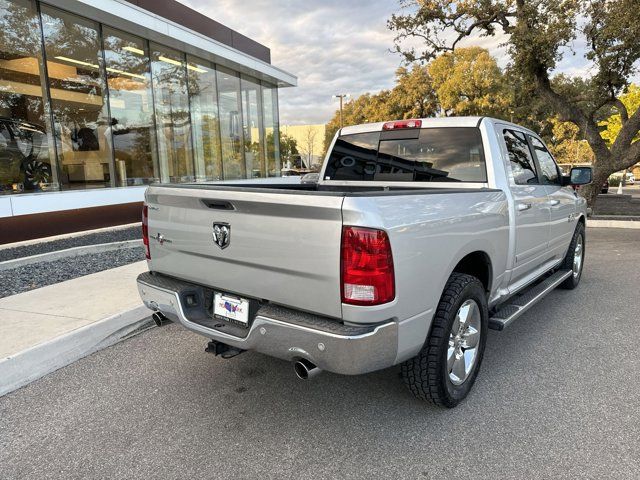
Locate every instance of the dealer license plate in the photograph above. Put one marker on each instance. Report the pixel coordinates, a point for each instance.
(231, 308)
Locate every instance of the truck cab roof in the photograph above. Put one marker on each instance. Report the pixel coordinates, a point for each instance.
(433, 122)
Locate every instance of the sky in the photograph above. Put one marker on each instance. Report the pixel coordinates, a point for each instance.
(333, 47)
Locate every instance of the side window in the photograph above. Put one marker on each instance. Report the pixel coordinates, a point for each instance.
(548, 165)
(522, 165)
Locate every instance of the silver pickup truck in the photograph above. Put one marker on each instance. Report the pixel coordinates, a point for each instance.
(414, 239)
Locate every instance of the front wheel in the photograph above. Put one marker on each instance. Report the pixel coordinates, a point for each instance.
(446, 368)
(574, 259)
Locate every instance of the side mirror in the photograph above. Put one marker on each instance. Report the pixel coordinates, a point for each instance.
(580, 176)
(312, 177)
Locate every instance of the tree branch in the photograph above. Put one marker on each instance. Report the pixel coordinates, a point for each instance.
(624, 113)
(630, 157)
(571, 112)
(627, 133)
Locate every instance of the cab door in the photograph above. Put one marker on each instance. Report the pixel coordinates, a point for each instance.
(531, 205)
(562, 200)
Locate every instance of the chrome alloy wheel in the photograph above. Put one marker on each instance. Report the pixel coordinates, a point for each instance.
(464, 340)
(578, 255)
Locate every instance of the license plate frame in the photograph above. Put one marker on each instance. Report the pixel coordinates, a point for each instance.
(231, 308)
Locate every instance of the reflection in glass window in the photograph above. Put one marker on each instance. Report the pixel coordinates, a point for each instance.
(353, 157)
(25, 159)
(271, 130)
(169, 73)
(438, 154)
(426, 155)
(252, 128)
(548, 165)
(231, 124)
(522, 166)
(203, 99)
(78, 102)
(131, 127)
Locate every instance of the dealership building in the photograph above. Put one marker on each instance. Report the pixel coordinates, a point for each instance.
(99, 98)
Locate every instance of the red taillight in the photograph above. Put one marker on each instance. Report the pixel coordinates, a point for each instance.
(145, 231)
(402, 124)
(367, 267)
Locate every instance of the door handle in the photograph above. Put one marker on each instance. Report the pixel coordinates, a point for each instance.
(523, 206)
(553, 203)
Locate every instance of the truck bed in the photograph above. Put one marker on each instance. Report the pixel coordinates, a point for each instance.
(285, 238)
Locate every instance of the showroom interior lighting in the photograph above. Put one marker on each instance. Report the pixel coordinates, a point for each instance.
(169, 60)
(77, 62)
(134, 50)
(121, 72)
(196, 69)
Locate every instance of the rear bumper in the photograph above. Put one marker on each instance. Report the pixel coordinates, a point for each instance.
(282, 333)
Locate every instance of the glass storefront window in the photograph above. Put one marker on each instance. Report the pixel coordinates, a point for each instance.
(271, 130)
(171, 101)
(78, 99)
(205, 124)
(99, 107)
(25, 158)
(131, 128)
(252, 127)
(231, 124)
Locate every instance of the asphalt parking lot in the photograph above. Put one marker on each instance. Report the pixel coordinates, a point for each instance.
(558, 397)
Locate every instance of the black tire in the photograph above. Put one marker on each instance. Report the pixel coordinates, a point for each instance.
(426, 374)
(567, 264)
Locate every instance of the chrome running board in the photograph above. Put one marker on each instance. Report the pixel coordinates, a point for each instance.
(516, 306)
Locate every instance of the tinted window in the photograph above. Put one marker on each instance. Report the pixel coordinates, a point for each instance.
(433, 154)
(522, 166)
(353, 157)
(546, 162)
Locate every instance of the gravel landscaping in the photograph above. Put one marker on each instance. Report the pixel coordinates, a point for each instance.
(119, 235)
(29, 277)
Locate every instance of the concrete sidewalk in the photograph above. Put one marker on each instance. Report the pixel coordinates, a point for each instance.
(47, 328)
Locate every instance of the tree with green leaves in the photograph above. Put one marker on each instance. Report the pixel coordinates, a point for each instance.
(288, 146)
(469, 81)
(363, 109)
(413, 95)
(465, 82)
(612, 125)
(566, 145)
(539, 33)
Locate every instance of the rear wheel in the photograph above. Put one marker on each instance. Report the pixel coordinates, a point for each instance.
(446, 368)
(574, 259)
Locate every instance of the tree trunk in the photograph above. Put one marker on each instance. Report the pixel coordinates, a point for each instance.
(600, 174)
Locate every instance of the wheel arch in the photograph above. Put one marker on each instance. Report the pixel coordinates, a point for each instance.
(478, 264)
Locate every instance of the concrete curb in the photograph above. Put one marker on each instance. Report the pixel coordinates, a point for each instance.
(23, 368)
(613, 224)
(69, 252)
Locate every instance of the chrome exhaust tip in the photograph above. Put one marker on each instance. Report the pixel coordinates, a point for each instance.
(305, 369)
(159, 319)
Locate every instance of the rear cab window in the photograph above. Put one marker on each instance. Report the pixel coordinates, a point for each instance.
(449, 154)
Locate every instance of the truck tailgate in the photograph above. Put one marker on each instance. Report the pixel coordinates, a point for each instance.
(284, 247)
